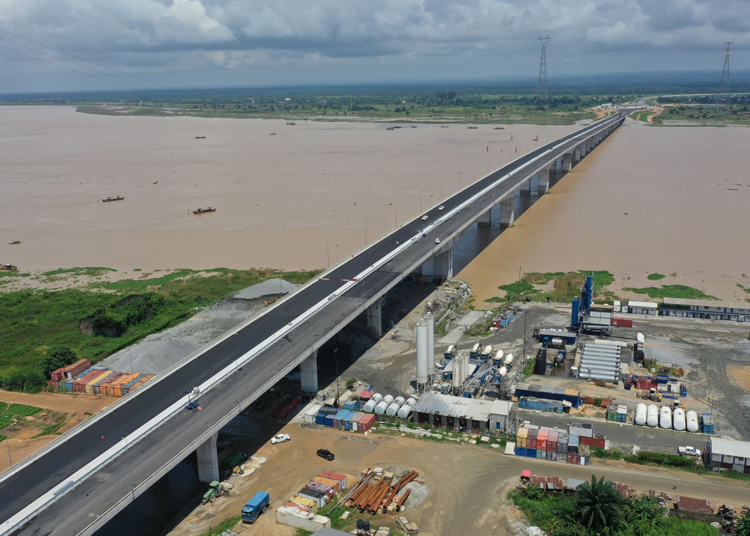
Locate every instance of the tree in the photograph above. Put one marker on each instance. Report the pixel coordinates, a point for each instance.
(743, 525)
(642, 514)
(58, 357)
(598, 505)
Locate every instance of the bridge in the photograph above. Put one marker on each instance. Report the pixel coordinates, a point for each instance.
(80, 481)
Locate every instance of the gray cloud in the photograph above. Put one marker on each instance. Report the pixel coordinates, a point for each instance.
(237, 42)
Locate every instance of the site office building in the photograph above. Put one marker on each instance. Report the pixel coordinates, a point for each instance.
(730, 454)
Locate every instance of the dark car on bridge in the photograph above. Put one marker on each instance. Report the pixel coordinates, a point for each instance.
(326, 454)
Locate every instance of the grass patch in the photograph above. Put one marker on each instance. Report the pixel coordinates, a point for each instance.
(22, 409)
(35, 320)
(54, 428)
(565, 285)
(528, 368)
(227, 524)
(95, 271)
(655, 277)
(672, 291)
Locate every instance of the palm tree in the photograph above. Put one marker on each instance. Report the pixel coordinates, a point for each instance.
(598, 505)
(743, 525)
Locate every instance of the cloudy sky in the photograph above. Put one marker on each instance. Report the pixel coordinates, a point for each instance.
(238, 43)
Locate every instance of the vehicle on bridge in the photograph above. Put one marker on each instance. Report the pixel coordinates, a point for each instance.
(437, 240)
(326, 454)
(441, 207)
(424, 218)
(192, 406)
(255, 506)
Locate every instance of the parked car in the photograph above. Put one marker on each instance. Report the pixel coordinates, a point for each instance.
(326, 454)
(688, 451)
(424, 218)
(437, 240)
(441, 207)
(281, 438)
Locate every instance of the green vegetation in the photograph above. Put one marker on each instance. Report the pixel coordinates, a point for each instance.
(528, 368)
(227, 524)
(57, 357)
(565, 285)
(17, 413)
(597, 508)
(34, 321)
(90, 272)
(655, 277)
(672, 291)
(350, 523)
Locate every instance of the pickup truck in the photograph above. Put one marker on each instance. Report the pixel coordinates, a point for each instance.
(688, 451)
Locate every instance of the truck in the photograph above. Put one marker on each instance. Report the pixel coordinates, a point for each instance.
(689, 451)
(255, 506)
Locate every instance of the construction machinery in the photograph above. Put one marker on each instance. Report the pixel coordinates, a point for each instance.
(215, 489)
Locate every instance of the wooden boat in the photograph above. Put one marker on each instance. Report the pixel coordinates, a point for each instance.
(204, 210)
(109, 199)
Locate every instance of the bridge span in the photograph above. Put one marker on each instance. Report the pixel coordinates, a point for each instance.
(79, 482)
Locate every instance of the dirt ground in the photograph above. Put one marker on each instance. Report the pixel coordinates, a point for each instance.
(467, 484)
(77, 406)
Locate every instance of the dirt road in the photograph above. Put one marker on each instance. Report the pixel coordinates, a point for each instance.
(467, 484)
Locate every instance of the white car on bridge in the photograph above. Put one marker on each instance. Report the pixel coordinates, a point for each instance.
(281, 438)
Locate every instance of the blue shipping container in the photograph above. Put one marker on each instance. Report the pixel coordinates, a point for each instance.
(352, 405)
(520, 451)
(329, 420)
(320, 418)
(531, 453)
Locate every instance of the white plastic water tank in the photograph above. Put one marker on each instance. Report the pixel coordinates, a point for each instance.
(679, 420)
(392, 410)
(399, 400)
(388, 399)
(381, 407)
(410, 401)
(692, 421)
(369, 406)
(404, 412)
(652, 416)
(665, 417)
(377, 397)
(641, 414)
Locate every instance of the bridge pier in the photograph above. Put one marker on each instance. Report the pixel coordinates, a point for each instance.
(485, 219)
(526, 188)
(567, 162)
(508, 211)
(442, 264)
(208, 460)
(309, 373)
(543, 181)
(584, 149)
(375, 320)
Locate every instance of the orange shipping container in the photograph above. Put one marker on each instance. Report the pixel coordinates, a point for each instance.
(80, 384)
(124, 380)
(105, 387)
(100, 374)
(329, 482)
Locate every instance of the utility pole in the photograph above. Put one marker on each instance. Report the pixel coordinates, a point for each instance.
(336, 359)
(541, 89)
(724, 83)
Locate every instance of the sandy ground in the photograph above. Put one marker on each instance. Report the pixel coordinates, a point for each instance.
(75, 405)
(282, 200)
(466, 483)
(648, 200)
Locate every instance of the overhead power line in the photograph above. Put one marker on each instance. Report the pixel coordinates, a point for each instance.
(541, 89)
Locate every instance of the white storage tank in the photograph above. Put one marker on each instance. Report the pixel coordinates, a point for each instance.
(679, 420)
(411, 401)
(399, 400)
(641, 414)
(498, 359)
(404, 412)
(508, 361)
(377, 397)
(487, 351)
(503, 372)
(476, 348)
(692, 421)
(388, 399)
(369, 406)
(652, 416)
(392, 410)
(422, 358)
(665, 417)
(381, 407)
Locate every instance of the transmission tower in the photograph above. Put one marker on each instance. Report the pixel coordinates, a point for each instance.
(724, 83)
(541, 89)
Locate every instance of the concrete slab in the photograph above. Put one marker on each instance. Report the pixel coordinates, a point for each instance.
(453, 337)
(471, 318)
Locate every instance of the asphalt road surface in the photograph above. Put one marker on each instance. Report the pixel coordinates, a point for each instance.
(85, 503)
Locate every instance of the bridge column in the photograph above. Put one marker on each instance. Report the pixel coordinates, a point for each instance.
(543, 184)
(309, 373)
(375, 320)
(442, 264)
(486, 218)
(526, 186)
(208, 460)
(584, 149)
(507, 211)
(567, 162)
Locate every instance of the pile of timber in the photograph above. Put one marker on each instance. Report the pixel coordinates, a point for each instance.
(382, 496)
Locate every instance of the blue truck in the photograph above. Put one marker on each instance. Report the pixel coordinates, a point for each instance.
(255, 506)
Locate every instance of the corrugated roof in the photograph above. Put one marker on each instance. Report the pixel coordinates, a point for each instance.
(644, 304)
(730, 447)
(707, 303)
(454, 406)
(501, 407)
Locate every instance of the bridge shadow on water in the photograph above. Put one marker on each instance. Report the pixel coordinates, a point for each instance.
(171, 499)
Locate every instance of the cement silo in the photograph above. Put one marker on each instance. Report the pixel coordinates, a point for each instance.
(430, 321)
(422, 370)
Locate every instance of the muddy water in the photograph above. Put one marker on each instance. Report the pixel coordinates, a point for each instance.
(667, 200)
(280, 197)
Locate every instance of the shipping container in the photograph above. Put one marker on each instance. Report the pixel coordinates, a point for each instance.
(708, 423)
(541, 440)
(329, 482)
(105, 385)
(80, 384)
(353, 405)
(531, 453)
(287, 407)
(320, 418)
(521, 442)
(366, 423)
(520, 451)
(541, 454)
(104, 378)
(622, 322)
(552, 456)
(342, 480)
(71, 371)
(99, 376)
(310, 415)
(522, 432)
(573, 459)
(581, 430)
(128, 386)
(329, 420)
(125, 380)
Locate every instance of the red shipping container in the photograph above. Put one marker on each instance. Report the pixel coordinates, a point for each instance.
(590, 441)
(600, 442)
(573, 459)
(551, 446)
(541, 440)
(76, 368)
(335, 476)
(530, 443)
(80, 384)
(622, 322)
(366, 423)
(55, 384)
